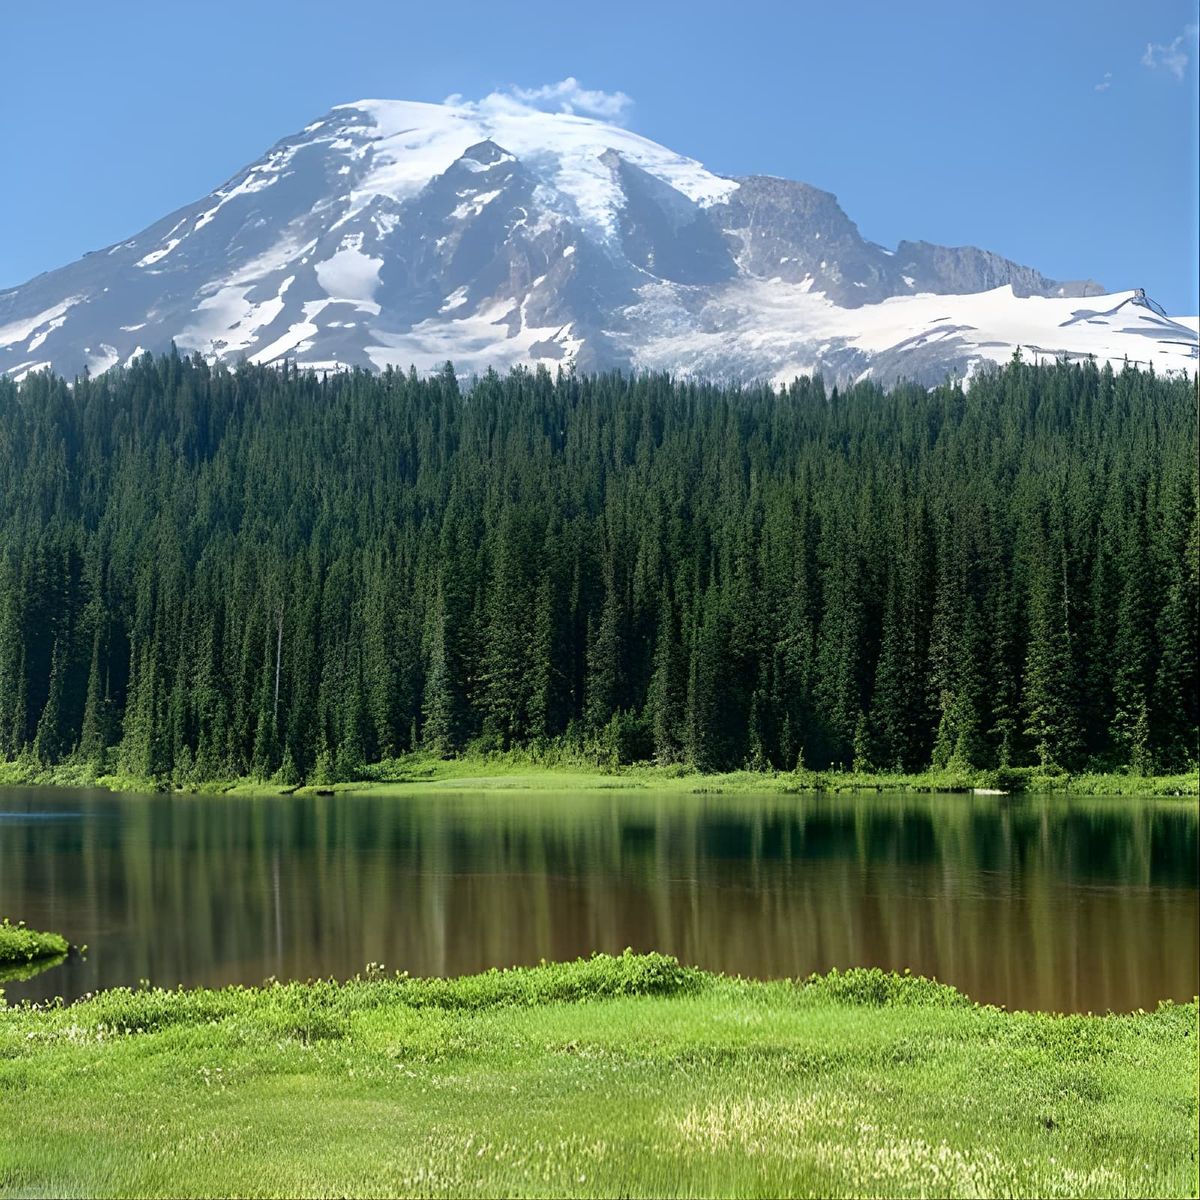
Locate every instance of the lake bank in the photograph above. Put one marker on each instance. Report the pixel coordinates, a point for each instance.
(515, 770)
(625, 1075)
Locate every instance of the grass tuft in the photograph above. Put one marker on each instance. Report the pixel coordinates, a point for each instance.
(20, 946)
(872, 986)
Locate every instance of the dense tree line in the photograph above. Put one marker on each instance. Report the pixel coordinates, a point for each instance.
(207, 572)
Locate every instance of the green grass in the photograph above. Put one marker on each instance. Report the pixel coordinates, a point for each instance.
(559, 770)
(20, 946)
(611, 1076)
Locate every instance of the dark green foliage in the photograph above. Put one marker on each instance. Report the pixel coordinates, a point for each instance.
(206, 573)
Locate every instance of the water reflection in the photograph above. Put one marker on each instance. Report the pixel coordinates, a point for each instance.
(1033, 903)
(14, 972)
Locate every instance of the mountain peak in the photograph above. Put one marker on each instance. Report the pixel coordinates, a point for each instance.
(392, 232)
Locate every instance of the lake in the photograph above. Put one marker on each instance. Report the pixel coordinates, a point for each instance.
(1069, 904)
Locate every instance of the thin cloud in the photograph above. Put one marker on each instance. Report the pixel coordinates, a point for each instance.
(567, 96)
(1105, 83)
(1174, 56)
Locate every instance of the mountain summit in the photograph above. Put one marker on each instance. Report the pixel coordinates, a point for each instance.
(392, 233)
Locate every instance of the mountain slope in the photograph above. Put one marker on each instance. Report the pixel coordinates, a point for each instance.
(390, 233)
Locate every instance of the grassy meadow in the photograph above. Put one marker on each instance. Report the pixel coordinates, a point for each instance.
(559, 770)
(604, 1077)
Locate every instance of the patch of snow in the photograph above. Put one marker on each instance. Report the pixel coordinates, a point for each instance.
(385, 222)
(227, 323)
(21, 370)
(50, 326)
(282, 254)
(780, 330)
(351, 276)
(215, 317)
(259, 177)
(321, 364)
(995, 322)
(474, 206)
(99, 361)
(154, 255)
(170, 243)
(18, 331)
(298, 337)
(473, 164)
(474, 343)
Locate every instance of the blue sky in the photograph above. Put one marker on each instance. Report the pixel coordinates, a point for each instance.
(1061, 133)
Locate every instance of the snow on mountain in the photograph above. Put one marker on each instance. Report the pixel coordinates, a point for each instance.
(416, 142)
(788, 330)
(391, 233)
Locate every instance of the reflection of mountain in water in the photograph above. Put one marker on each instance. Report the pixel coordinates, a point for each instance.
(1031, 903)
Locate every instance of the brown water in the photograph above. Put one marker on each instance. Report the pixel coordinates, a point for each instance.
(1087, 904)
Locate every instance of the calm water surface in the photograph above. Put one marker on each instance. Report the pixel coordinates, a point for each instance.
(1083, 904)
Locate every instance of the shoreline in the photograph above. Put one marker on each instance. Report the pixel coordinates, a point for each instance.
(518, 772)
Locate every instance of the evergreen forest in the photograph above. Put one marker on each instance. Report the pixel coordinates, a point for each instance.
(209, 573)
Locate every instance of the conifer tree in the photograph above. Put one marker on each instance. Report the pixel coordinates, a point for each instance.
(1050, 721)
(207, 572)
(667, 701)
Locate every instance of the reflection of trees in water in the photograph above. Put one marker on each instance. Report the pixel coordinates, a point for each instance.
(1029, 902)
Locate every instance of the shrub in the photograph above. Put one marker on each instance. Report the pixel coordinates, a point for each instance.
(1008, 779)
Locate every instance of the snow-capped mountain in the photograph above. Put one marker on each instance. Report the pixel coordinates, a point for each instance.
(492, 233)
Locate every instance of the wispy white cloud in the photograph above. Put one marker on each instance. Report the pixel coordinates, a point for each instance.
(1174, 55)
(1105, 83)
(567, 95)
